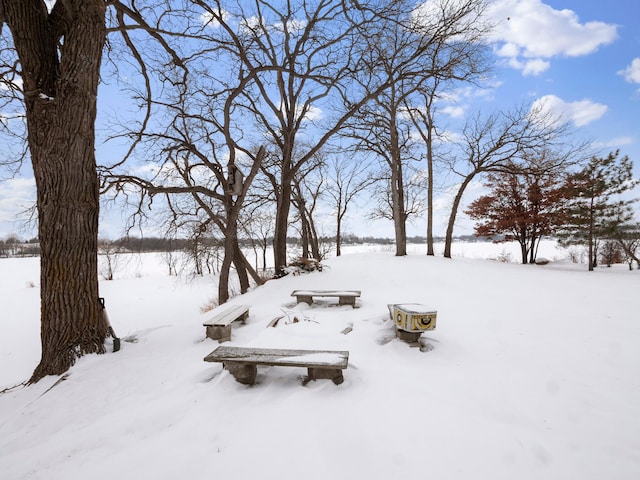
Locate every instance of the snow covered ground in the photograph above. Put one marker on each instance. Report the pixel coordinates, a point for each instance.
(533, 372)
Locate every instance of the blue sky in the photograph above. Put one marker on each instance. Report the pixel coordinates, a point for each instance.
(580, 57)
(580, 54)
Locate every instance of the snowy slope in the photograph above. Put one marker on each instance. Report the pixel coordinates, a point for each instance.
(533, 372)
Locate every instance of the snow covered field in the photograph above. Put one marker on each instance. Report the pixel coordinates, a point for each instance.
(533, 372)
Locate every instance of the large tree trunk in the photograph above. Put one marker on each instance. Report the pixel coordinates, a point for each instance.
(225, 268)
(305, 231)
(591, 235)
(315, 241)
(338, 235)
(232, 252)
(60, 101)
(448, 240)
(281, 227)
(241, 265)
(533, 248)
(523, 250)
(430, 249)
(397, 193)
(522, 240)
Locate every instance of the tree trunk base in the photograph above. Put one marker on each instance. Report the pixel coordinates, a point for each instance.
(61, 362)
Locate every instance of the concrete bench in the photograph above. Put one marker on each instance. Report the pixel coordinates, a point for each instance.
(345, 297)
(218, 327)
(242, 362)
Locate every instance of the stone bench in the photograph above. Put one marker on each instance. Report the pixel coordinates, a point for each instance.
(242, 362)
(345, 297)
(218, 327)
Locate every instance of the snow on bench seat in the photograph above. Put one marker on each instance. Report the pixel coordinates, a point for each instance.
(345, 297)
(242, 362)
(218, 327)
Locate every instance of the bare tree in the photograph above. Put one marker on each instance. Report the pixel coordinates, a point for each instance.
(628, 237)
(170, 258)
(424, 43)
(306, 192)
(202, 166)
(201, 205)
(611, 252)
(503, 143)
(413, 188)
(110, 253)
(300, 60)
(345, 181)
(259, 225)
(59, 54)
(50, 59)
(423, 119)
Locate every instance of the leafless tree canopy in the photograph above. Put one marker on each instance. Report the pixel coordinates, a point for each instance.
(231, 107)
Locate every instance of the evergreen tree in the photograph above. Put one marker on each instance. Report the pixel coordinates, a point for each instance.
(597, 207)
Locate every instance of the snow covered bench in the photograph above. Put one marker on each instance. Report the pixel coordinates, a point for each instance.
(345, 297)
(218, 327)
(242, 362)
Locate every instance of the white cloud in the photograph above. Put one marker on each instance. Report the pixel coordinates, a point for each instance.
(250, 25)
(11, 84)
(209, 20)
(311, 114)
(581, 112)
(619, 141)
(455, 103)
(632, 73)
(454, 111)
(314, 113)
(431, 13)
(449, 136)
(615, 143)
(535, 67)
(529, 32)
(293, 25)
(16, 196)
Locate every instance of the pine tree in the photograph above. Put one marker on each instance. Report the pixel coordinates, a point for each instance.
(597, 207)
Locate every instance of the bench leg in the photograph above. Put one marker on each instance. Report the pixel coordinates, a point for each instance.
(347, 301)
(222, 334)
(410, 337)
(334, 374)
(304, 298)
(243, 373)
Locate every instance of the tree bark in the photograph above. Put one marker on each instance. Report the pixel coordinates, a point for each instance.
(60, 100)
(232, 252)
(591, 235)
(429, 146)
(523, 250)
(338, 235)
(282, 224)
(225, 268)
(452, 216)
(241, 265)
(397, 191)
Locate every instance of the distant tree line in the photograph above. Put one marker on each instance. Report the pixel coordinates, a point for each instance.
(13, 246)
